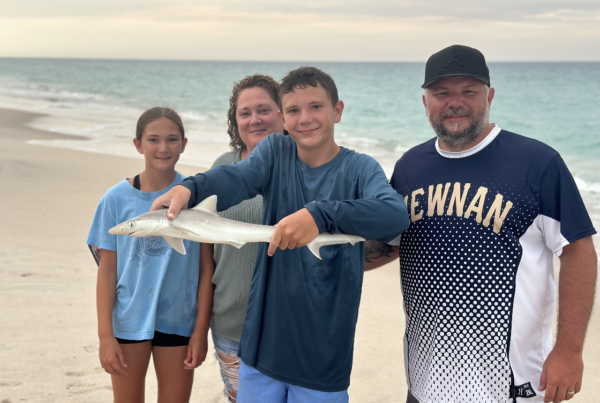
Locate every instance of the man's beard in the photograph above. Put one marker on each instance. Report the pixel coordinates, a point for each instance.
(455, 139)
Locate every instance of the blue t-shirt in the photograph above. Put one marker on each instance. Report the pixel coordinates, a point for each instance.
(476, 265)
(157, 287)
(302, 311)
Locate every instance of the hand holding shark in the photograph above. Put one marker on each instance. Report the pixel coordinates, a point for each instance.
(203, 224)
(175, 199)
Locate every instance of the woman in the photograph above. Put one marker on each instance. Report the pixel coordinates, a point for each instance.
(252, 115)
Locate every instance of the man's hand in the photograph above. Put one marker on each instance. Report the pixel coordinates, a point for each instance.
(562, 373)
(175, 199)
(294, 231)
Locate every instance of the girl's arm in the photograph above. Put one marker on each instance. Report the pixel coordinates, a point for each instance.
(198, 347)
(111, 356)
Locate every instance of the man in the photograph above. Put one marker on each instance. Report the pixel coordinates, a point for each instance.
(488, 208)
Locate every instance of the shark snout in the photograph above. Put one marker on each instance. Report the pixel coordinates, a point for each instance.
(121, 229)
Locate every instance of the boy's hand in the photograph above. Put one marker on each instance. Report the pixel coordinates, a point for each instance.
(196, 352)
(111, 357)
(175, 199)
(294, 231)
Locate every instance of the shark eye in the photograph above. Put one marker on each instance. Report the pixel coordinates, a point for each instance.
(131, 224)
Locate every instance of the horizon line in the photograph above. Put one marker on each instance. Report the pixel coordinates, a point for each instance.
(275, 61)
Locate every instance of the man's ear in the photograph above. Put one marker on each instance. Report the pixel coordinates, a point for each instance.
(282, 120)
(491, 96)
(425, 102)
(337, 110)
(138, 145)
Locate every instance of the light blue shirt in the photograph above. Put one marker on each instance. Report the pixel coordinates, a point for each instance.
(156, 287)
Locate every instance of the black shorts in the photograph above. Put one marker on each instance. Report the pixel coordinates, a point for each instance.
(161, 340)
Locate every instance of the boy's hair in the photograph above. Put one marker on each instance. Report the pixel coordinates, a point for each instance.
(156, 113)
(305, 76)
(256, 80)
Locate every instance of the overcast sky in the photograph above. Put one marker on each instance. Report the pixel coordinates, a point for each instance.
(309, 30)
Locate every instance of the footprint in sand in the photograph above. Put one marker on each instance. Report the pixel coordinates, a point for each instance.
(10, 384)
(91, 349)
(75, 374)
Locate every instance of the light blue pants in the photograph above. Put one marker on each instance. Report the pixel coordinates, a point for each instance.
(256, 387)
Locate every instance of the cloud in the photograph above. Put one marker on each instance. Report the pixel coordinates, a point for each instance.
(312, 30)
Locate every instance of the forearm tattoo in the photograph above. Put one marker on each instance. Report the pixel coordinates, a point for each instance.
(375, 250)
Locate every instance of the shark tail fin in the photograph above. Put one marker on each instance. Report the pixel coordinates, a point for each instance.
(175, 243)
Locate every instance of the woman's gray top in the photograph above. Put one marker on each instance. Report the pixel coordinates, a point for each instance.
(234, 267)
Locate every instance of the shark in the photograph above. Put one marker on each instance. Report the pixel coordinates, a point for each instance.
(203, 224)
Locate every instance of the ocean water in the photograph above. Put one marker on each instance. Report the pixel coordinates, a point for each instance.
(557, 103)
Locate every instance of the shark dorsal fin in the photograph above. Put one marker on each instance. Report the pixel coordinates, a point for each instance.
(208, 205)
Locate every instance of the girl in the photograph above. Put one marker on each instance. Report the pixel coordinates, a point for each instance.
(151, 301)
(252, 116)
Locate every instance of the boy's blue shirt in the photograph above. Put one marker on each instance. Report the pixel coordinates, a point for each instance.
(302, 311)
(156, 287)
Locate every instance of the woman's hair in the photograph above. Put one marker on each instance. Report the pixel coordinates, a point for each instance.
(156, 113)
(256, 80)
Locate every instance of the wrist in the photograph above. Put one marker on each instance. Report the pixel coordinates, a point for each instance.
(568, 347)
(106, 336)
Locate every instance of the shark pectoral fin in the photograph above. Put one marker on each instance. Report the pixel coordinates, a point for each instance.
(235, 243)
(315, 248)
(175, 243)
(208, 205)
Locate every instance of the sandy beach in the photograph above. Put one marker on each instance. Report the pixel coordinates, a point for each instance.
(48, 341)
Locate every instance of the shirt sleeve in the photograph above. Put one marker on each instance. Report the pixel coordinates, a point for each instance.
(233, 183)
(564, 216)
(104, 219)
(379, 214)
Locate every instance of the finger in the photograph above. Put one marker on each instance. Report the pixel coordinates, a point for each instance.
(577, 387)
(115, 369)
(569, 396)
(550, 393)
(561, 394)
(188, 357)
(174, 209)
(121, 358)
(158, 204)
(543, 380)
(284, 241)
(274, 241)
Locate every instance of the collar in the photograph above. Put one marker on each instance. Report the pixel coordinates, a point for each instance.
(473, 150)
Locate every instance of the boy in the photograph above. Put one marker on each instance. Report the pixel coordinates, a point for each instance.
(299, 329)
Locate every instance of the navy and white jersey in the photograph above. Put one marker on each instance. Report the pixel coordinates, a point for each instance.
(476, 265)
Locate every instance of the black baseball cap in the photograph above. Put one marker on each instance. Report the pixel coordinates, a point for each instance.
(456, 61)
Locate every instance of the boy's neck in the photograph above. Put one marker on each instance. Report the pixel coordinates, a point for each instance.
(316, 157)
(155, 181)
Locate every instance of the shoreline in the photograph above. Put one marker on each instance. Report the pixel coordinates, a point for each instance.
(47, 285)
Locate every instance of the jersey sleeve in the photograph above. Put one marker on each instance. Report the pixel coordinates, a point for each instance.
(236, 182)
(104, 219)
(564, 216)
(379, 214)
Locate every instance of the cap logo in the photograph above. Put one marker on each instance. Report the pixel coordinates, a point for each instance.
(456, 58)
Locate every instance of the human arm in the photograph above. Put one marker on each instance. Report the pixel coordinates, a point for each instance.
(231, 183)
(378, 254)
(198, 346)
(111, 356)
(563, 370)
(378, 213)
